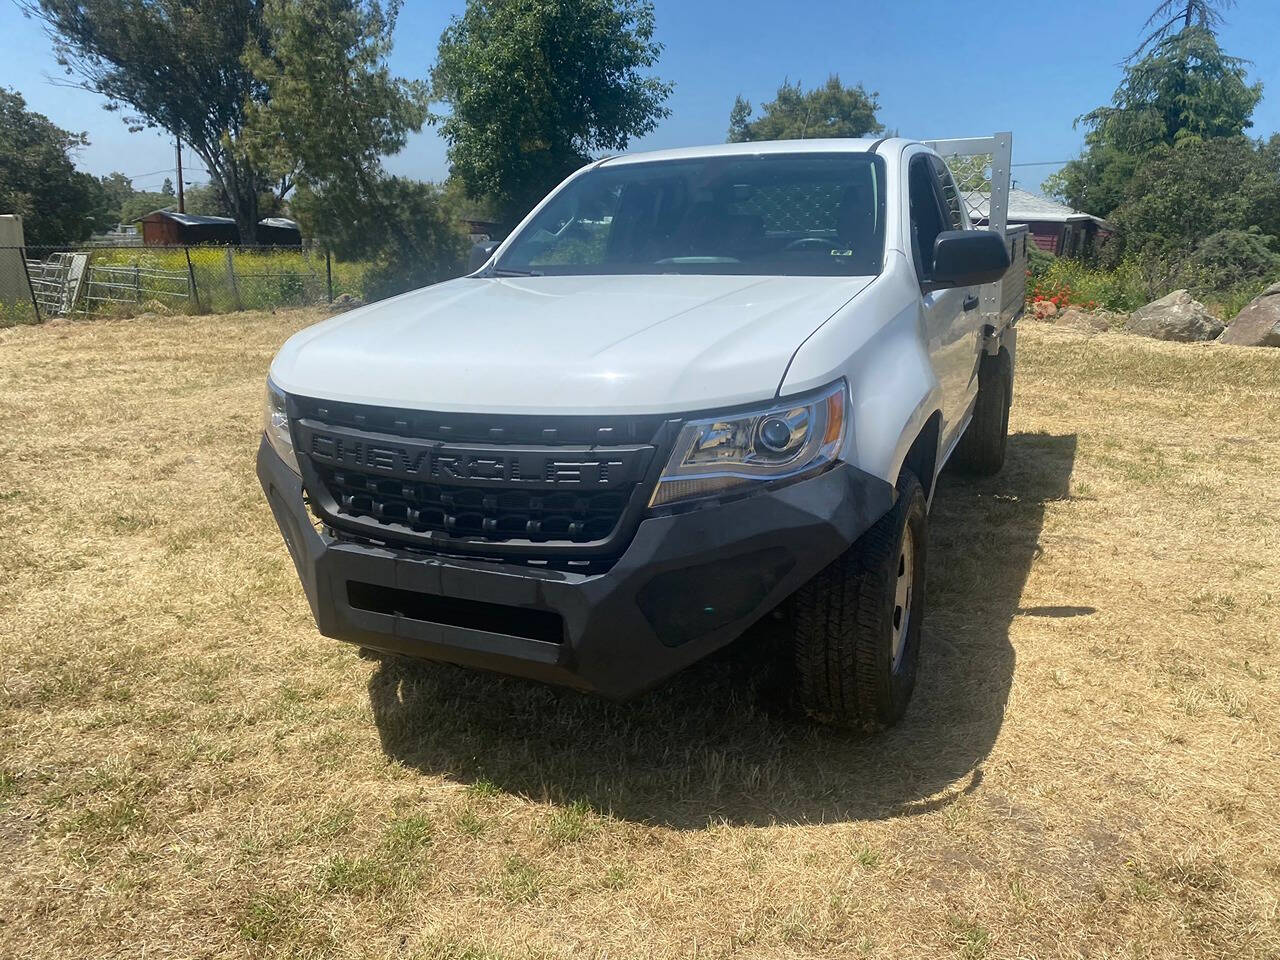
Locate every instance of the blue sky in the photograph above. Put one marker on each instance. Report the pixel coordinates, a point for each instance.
(1037, 68)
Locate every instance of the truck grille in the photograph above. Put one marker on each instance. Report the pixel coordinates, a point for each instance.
(513, 487)
(490, 513)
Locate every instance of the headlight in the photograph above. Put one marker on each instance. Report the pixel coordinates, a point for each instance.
(275, 425)
(726, 454)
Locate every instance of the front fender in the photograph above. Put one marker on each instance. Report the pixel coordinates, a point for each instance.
(877, 343)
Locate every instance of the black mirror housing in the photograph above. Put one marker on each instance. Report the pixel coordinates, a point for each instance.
(967, 258)
(480, 254)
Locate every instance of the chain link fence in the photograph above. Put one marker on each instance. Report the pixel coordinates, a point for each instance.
(37, 283)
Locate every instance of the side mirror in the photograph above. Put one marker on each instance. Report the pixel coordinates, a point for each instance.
(967, 258)
(480, 254)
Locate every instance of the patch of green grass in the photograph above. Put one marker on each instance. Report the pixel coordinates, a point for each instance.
(866, 858)
(483, 787)
(519, 881)
(8, 784)
(469, 823)
(569, 824)
(358, 876)
(278, 920)
(404, 837)
(619, 876)
(972, 938)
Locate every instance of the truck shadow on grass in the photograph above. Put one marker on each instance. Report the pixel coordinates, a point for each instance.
(713, 745)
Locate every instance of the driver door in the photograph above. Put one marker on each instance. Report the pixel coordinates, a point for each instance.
(950, 316)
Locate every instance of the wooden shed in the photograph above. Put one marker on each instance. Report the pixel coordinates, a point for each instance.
(1053, 226)
(169, 228)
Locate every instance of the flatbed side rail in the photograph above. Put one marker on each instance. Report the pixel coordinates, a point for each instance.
(981, 166)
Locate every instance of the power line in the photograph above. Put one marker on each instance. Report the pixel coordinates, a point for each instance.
(151, 173)
(1040, 163)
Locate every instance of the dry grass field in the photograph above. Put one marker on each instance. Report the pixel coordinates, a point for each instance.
(1090, 768)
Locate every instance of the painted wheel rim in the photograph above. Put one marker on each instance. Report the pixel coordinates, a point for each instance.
(902, 596)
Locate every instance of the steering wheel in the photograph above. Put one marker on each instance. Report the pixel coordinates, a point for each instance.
(805, 243)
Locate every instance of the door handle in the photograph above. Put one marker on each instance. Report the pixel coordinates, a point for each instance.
(970, 301)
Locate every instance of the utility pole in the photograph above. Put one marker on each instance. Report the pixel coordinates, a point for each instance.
(182, 207)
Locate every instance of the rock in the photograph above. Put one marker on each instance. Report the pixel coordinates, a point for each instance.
(1044, 309)
(344, 302)
(1096, 321)
(1258, 324)
(1175, 317)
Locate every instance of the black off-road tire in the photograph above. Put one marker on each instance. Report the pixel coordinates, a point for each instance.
(980, 451)
(842, 622)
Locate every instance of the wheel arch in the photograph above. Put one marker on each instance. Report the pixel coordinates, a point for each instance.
(921, 457)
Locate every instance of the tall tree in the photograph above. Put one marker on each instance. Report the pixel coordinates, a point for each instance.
(1180, 195)
(831, 110)
(333, 108)
(1173, 16)
(1186, 89)
(178, 65)
(537, 86)
(39, 181)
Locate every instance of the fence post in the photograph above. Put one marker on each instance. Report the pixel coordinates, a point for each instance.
(191, 279)
(231, 278)
(137, 284)
(328, 272)
(30, 289)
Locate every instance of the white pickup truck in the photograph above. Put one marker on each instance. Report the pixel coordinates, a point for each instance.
(691, 388)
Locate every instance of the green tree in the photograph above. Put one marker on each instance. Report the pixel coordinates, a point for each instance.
(203, 200)
(333, 110)
(831, 110)
(139, 204)
(366, 231)
(167, 187)
(39, 181)
(1174, 15)
(178, 65)
(537, 86)
(118, 190)
(1187, 89)
(1181, 194)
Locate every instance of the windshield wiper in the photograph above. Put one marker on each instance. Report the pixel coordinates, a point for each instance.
(509, 272)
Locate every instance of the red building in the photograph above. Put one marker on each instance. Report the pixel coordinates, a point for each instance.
(1053, 226)
(164, 228)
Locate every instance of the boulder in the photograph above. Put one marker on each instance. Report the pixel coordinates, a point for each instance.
(1175, 317)
(1096, 321)
(1044, 309)
(1258, 324)
(344, 302)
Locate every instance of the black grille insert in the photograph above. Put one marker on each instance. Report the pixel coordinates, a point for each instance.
(543, 625)
(490, 513)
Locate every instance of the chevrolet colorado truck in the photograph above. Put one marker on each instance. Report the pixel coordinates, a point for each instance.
(692, 388)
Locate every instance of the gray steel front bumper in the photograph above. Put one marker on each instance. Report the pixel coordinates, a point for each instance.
(687, 584)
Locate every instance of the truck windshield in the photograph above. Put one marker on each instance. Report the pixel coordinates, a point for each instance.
(766, 215)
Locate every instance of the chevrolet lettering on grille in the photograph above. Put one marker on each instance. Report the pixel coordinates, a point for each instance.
(435, 461)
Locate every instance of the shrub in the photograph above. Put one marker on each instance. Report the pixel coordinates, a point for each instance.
(1038, 261)
(1067, 282)
(1230, 259)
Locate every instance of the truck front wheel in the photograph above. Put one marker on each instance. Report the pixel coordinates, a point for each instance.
(855, 627)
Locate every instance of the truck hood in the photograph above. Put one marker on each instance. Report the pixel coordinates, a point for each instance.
(557, 345)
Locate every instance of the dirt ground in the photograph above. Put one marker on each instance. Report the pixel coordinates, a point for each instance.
(1090, 767)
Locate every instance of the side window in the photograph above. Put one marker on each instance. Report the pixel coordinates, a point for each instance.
(950, 195)
(927, 219)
